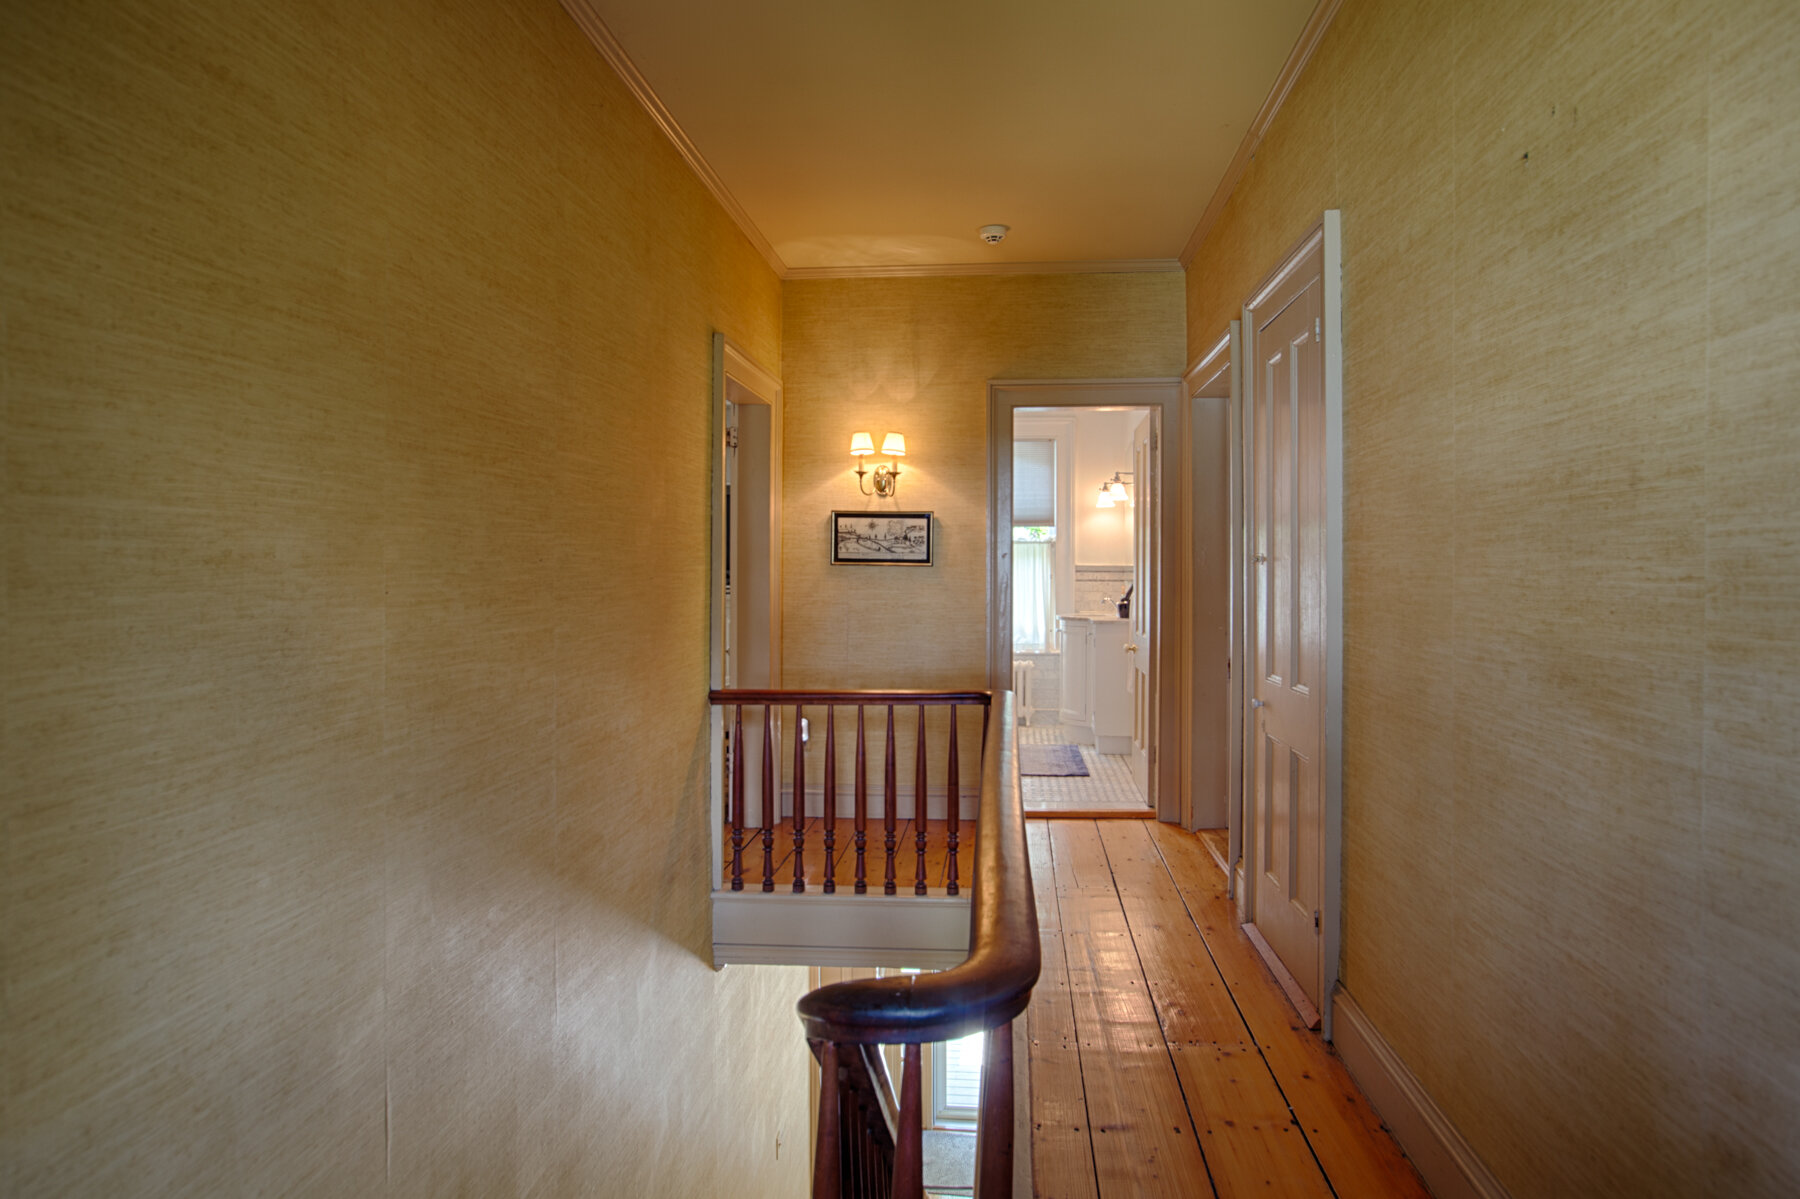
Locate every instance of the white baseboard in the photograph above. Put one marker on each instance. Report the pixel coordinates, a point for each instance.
(1448, 1163)
(1290, 986)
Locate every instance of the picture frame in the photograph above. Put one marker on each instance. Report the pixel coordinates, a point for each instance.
(881, 539)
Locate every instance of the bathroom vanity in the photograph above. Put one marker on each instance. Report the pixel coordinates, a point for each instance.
(1096, 690)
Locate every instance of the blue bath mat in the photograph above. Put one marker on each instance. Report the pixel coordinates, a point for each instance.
(1051, 761)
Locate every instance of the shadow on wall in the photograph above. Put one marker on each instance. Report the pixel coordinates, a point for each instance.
(617, 868)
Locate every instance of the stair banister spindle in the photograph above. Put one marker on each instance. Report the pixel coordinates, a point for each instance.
(737, 797)
(768, 797)
(799, 799)
(953, 810)
(921, 804)
(827, 1160)
(829, 791)
(994, 1131)
(888, 788)
(909, 1146)
(862, 804)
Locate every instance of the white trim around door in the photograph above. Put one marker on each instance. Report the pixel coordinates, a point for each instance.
(1163, 396)
(743, 386)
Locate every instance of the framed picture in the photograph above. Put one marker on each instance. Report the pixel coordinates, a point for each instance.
(881, 539)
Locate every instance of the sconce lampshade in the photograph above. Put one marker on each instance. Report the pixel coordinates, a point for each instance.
(1116, 489)
(1106, 499)
(861, 444)
(894, 445)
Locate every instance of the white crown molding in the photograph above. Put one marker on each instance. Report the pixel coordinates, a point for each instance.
(1302, 53)
(614, 53)
(1102, 266)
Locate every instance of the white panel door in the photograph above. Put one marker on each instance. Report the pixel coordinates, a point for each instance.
(1288, 527)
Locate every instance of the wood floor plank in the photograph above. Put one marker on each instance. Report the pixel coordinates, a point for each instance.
(1062, 1151)
(1043, 875)
(1191, 999)
(1080, 857)
(1251, 1142)
(1343, 1130)
(1132, 856)
(1247, 1133)
(1144, 1142)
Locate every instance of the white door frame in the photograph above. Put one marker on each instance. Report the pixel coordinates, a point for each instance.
(1212, 752)
(1329, 230)
(1165, 396)
(740, 379)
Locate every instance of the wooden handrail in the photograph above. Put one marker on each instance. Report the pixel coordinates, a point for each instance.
(848, 1022)
(986, 992)
(863, 699)
(994, 983)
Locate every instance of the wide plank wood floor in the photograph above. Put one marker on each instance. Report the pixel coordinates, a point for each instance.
(1164, 1058)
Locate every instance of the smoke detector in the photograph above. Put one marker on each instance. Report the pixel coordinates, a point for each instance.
(993, 235)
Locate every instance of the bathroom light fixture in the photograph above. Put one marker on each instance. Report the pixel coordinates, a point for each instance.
(1113, 493)
(887, 474)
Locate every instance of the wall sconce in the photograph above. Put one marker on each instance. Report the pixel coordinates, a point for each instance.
(1113, 493)
(887, 474)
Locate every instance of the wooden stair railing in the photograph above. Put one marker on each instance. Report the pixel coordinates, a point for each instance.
(765, 794)
(855, 1084)
(845, 1022)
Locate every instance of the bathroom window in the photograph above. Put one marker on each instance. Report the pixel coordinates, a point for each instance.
(1034, 545)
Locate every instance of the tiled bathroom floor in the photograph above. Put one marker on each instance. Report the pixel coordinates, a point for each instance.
(1108, 787)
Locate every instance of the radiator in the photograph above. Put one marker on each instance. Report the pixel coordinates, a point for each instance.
(1021, 685)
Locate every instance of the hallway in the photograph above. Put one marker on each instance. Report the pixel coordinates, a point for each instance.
(1162, 1052)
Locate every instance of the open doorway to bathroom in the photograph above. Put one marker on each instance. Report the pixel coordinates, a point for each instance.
(1083, 565)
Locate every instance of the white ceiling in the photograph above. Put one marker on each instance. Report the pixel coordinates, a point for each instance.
(883, 133)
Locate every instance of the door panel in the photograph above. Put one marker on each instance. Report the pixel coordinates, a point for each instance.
(1288, 581)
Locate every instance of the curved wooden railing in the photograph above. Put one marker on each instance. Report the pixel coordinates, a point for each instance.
(985, 992)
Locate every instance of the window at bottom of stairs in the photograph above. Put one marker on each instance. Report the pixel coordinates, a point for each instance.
(956, 1080)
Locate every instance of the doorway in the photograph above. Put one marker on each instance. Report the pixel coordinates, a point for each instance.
(1088, 698)
(1083, 534)
(746, 545)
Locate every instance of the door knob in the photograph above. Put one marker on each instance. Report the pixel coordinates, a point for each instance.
(1260, 558)
(1257, 703)
(1131, 649)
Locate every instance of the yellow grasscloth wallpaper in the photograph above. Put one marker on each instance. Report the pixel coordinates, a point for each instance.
(1572, 499)
(915, 356)
(354, 804)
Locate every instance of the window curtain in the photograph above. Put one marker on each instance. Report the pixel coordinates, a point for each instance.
(1034, 597)
(1034, 482)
